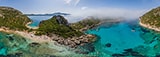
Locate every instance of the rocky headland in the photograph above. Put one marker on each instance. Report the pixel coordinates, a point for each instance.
(55, 29)
(151, 19)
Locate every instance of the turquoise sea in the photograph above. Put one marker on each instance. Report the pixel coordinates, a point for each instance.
(126, 38)
(122, 39)
(36, 20)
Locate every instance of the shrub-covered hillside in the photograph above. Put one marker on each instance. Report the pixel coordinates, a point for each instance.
(152, 17)
(13, 19)
(85, 23)
(57, 25)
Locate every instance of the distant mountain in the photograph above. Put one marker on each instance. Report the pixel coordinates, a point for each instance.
(13, 19)
(52, 14)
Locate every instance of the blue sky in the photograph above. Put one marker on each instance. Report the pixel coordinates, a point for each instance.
(56, 5)
(114, 8)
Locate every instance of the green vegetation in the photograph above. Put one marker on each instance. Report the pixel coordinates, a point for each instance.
(152, 17)
(13, 19)
(85, 23)
(47, 27)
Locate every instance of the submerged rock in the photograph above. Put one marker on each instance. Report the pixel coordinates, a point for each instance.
(82, 52)
(34, 44)
(10, 37)
(89, 47)
(118, 55)
(74, 42)
(108, 45)
(13, 55)
(158, 55)
(128, 52)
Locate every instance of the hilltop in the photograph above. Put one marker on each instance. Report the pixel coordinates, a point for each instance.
(57, 25)
(151, 19)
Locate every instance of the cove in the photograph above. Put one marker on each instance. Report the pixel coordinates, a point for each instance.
(120, 35)
(37, 19)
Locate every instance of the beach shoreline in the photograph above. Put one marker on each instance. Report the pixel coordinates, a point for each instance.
(29, 35)
(27, 25)
(149, 26)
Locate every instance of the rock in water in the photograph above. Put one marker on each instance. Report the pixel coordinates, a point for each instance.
(108, 45)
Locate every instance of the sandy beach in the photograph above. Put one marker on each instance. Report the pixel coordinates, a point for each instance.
(44, 39)
(29, 35)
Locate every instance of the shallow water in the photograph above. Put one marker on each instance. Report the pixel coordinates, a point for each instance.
(121, 36)
(125, 35)
(36, 20)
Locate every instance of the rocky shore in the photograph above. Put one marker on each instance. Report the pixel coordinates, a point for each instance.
(75, 41)
(149, 26)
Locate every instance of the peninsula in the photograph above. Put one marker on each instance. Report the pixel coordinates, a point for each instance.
(55, 29)
(53, 37)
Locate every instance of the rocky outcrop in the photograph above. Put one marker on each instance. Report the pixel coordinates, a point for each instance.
(61, 20)
(129, 52)
(1, 15)
(76, 41)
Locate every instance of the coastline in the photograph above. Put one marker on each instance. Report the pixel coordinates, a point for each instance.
(53, 45)
(28, 35)
(149, 26)
(72, 42)
(68, 46)
(101, 22)
(27, 25)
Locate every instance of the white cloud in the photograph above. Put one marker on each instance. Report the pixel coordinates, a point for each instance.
(67, 1)
(79, 14)
(75, 2)
(83, 8)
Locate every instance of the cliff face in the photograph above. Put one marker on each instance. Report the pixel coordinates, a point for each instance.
(151, 19)
(13, 19)
(61, 20)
